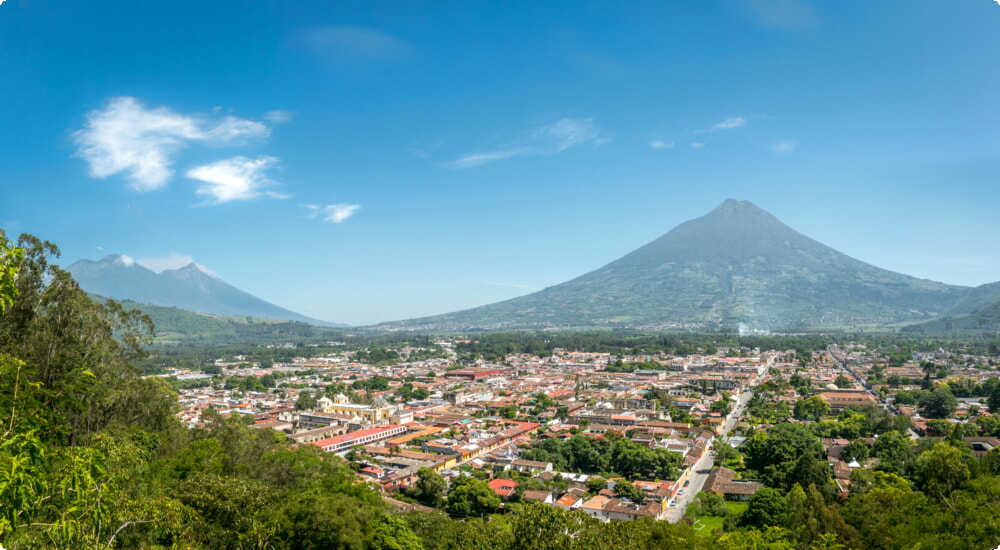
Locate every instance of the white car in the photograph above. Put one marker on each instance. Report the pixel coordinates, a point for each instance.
(673, 502)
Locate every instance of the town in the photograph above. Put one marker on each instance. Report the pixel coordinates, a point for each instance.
(617, 437)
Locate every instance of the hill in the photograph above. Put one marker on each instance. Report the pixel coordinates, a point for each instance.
(982, 322)
(736, 266)
(190, 288)
(179, 326)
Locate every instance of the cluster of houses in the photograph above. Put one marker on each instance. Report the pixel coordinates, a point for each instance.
(484, 415)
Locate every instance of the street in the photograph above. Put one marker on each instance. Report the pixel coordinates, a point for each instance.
(701, 469)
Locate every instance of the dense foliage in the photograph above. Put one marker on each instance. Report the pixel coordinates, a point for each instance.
(91, 456)
(609, 456)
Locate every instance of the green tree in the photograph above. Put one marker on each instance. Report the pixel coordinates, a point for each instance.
(722, 406)
(816, 407)
(722, 451)
(939, 403)
(856, 450)
(712, 504)
(864, 481)
(470, 497)
(305, 402)
(894, 451)
(941, 470)
(430, 487)
(843, 382)
(767, 507)
(10, 259)
(392, 533)
(888, 517)
(993, 402)
(815, 522)
(775, 453)
(624, 489)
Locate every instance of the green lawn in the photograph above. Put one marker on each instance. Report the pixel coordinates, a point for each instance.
(736, 508)
(706, 525)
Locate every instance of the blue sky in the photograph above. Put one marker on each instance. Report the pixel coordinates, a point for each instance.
(365, 162)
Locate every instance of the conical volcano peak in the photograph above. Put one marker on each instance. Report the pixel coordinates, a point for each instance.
(736, 264)
(733, 207)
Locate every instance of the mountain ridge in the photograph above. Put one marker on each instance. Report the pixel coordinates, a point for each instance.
(736, 265)
(191, 288)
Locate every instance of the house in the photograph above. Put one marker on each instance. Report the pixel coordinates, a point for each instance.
(595, 507)
(531, 466)
(627, 511)
(569, 502)
(503, 487)
(373, 472)
(721, 481)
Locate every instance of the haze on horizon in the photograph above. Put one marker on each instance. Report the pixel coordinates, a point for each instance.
(367, 162)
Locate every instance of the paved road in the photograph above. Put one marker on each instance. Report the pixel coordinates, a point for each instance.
(696, 480)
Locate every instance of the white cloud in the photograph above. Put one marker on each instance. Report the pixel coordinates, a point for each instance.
(279, 116)
(479, 159)
(788, 146)
(335, 213)
(697, 145)
(549, 139)
(728, 124)
(659, 144)
(237, 178)
(568, 132)
(126, 136)
(345, 43)
(172, 260)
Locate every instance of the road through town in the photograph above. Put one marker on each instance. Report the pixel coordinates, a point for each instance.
(701, 469)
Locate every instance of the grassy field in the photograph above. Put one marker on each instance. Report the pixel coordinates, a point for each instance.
(706, 525)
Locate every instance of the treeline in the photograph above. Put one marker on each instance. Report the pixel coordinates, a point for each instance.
(610, 456)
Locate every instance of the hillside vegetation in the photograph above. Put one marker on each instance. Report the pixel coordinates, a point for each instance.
(91, 456)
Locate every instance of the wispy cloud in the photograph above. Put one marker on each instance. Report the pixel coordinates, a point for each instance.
(279, 116)
(787, 146)
(549, 139)
(127, 137)
(659, 144)
(697, 145)
(172, 260)
(728, 124)
(237, 178)
(352, 44)
(423, 150)
(334, 213)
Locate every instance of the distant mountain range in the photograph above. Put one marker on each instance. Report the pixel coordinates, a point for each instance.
(737, 266)
(189, 288)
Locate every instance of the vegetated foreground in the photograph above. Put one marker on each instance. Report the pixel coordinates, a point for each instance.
(93, 455)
